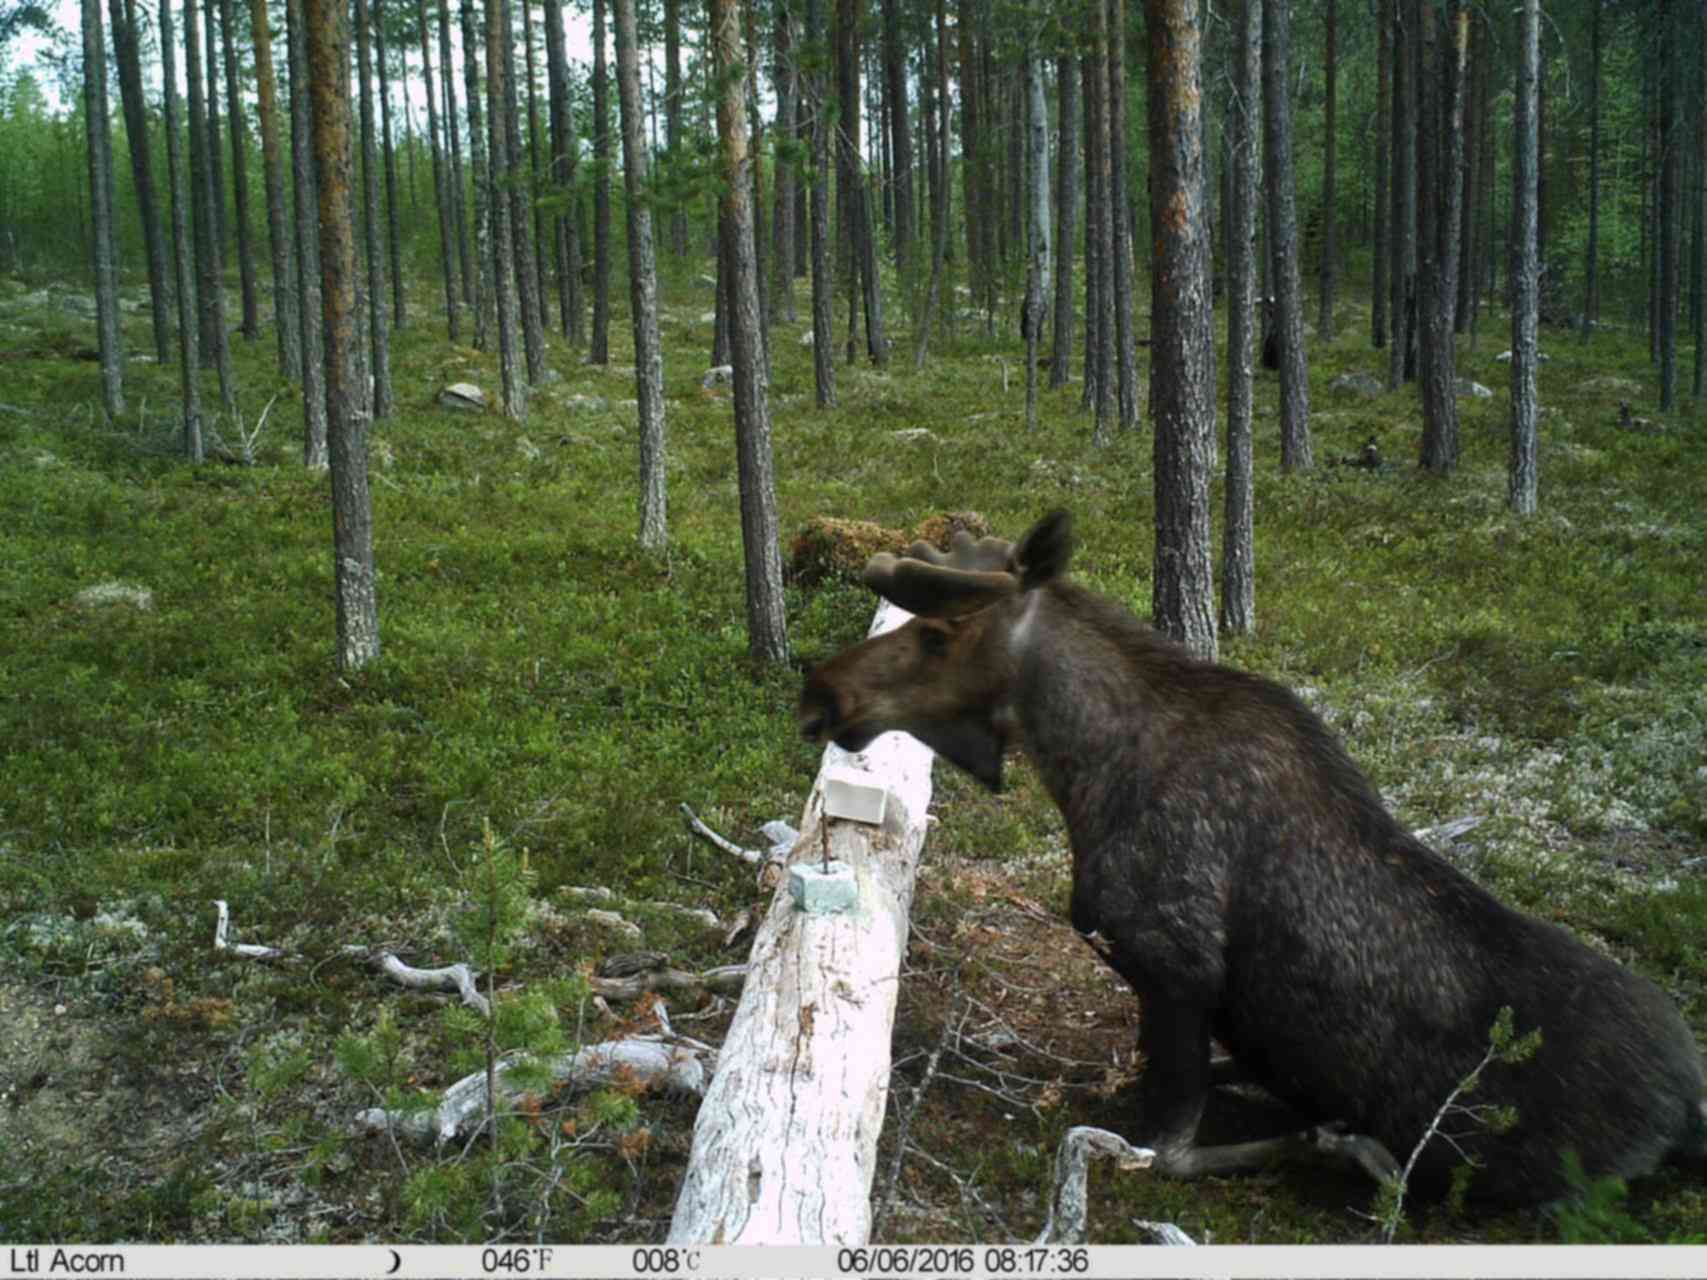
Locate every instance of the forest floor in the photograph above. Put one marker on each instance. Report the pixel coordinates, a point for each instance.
(543, 679)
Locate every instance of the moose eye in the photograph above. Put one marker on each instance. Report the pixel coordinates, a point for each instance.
(933, 640)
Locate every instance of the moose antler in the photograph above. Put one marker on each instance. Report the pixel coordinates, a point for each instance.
(935, 584)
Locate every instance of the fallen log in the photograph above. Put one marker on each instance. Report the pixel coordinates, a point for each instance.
(785, 1144)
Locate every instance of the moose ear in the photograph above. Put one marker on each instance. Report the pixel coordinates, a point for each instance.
(1044, 552)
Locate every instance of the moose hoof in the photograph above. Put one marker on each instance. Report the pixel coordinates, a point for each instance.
(1357, 1149)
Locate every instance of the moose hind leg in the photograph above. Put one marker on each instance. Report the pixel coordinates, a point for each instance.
(1174, 1042)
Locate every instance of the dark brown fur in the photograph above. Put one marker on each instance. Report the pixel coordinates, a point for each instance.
(1250, 885)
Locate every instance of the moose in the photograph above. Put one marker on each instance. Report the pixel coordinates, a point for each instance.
(1240, 872)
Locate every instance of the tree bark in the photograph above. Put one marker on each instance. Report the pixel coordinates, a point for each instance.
(310, 309)
(388, 162)
(823, 354)
(485, 291)
(512, 395)
(599, 348)
(189, 359)
(327, 33)
(1401, 230)
(467, 271)
(100, 140)
(1296, 453)
(205, 196)
(378, 403)
(939, 215)
(1525, 267)
(900, 133)
(1181, 314)
(1125, 354)
(442, 197)
(1038, 229)
(1238, 555)
(785, 1143)
(1066, 216)
(1381, 254)
(521, 223)
(642, 288)
(1330, 190)
(1099, 390)
(1698, 250)
(1440, 178)
(1671, 203)
(767, 625)
(285, 296)
(563, 147)
(123, 15)
(785, 79)
(239, 173)
(1591, 263)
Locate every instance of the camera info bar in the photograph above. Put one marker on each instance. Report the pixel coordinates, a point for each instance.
(878, 1262)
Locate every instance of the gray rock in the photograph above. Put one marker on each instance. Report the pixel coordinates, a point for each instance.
(1359, 384)
(464, 397)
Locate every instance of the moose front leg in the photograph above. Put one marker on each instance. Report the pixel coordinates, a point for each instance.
(1174, 1043)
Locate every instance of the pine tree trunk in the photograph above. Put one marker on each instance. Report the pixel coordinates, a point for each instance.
(279, 234)
(1671, 203)
(599, 349)
(239, 174)
(767, 626)
(210, 287)
(1330, 190)
(1525, 266)
(480, 162)
(1380, 251)
(1591, 263)
(442, 197)
(786, 87)
(673, 114)
(1038, 257)
(379, 332)
(1295, 449)
(1183, 600)
(1099, 394)
(310, 309)
(642, 288)
(327, 30)
(328, 46)
(123, 15)
(511, 394)
(1443, 183)
(939, 214)
(823, 361)
(900, 133)
(100, 140)
(1698, 250)
(1400, 232)
(388, 161)
(1125, 355)
(542, 255)
(467, 270)
(562, 168)
(215, 157)
(189, 359)
(521, 222)
(1238, 556)
(1066, 216)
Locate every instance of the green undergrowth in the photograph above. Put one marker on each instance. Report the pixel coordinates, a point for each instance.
(542, 675)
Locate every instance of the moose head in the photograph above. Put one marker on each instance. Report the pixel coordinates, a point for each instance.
(945, 676)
